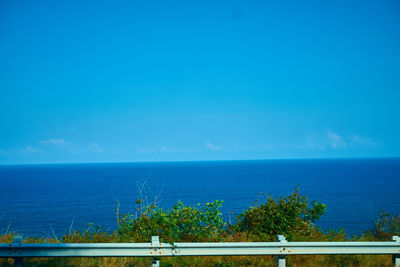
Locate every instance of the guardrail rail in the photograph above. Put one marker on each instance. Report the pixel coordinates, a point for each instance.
(282, 248)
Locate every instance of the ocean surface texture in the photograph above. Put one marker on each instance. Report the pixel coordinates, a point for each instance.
(51, 200)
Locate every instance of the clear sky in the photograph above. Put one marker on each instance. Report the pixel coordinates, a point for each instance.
(96, 81)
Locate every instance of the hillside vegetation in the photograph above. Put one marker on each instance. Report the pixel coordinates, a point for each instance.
(292, 216)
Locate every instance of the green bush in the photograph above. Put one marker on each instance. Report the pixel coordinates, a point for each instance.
(385, 227)
(290, 215)
(180, 223)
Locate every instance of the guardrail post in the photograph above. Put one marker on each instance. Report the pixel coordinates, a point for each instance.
(17, 242)
(396, 257)
(281, 261)
(155, 243)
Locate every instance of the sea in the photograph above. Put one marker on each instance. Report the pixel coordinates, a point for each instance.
(56, 199)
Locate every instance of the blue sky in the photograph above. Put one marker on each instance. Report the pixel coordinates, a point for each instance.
(93, 81)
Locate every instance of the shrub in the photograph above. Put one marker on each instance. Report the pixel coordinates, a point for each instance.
(385, 227)
(180, 223)
(290, 215)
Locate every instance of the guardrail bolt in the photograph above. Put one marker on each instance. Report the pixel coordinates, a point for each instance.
(281, 261)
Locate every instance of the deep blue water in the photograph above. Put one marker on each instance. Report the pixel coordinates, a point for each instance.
(42, 199)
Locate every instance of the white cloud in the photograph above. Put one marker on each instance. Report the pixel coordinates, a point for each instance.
(142, 150)
(268, 147)
(312, 144)
(212, 147)
(318, 141)
(60, 143)
(335, 140)
(363, 141)
(54, 141)
(95, 148)
(163, 149)
(29, 149)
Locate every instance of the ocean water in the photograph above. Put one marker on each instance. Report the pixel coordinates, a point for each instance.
(52, 200)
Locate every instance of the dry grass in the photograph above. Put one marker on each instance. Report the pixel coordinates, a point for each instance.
(292, 261)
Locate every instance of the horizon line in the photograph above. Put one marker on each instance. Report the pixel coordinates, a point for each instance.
(201, 160)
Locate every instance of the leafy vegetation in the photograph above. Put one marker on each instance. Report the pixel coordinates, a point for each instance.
(290, 216)
(293, 216)
(180, 223)
(385, 227)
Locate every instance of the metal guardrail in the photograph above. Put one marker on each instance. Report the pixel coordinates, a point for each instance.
(155, 249)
